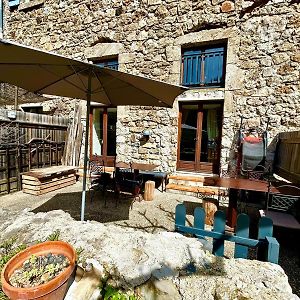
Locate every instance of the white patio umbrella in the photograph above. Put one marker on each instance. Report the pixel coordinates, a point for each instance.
(47, 73)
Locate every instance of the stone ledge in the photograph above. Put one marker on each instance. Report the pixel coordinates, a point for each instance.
(30, 4)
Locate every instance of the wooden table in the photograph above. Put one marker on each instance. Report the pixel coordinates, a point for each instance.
(143, 167)
(148, 169)
(235, 184)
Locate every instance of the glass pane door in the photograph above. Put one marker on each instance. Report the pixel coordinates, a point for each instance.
(210, 136)
(188, 132)
(199, 136)
(97, 132)
(103, 133)
(111, 131)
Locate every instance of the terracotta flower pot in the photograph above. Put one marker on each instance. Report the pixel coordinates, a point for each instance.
(55, 289)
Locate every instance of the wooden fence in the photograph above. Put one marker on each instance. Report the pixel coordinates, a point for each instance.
(287, 157)
(267, 246)
(28, 141)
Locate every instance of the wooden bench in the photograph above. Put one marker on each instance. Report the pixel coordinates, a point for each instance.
(280, 207)
(45, 180)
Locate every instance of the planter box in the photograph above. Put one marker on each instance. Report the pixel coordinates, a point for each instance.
(45, 180)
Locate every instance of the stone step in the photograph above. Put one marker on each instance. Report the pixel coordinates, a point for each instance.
(191, 180)
(193, 189)
(187, 178)
(185, 182)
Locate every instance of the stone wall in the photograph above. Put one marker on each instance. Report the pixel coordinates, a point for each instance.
(262, 67)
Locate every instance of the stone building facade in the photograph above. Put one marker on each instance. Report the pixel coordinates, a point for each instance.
(262, 64)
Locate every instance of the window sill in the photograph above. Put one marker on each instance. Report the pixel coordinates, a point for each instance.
(30, 4)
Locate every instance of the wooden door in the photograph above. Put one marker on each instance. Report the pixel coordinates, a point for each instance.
(199, 137)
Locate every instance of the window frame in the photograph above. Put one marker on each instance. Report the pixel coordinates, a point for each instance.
(196, 58)
(110, 63)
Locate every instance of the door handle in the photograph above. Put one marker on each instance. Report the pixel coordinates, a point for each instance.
(195, 139)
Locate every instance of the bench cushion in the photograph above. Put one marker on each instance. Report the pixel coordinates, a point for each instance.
(281, 219)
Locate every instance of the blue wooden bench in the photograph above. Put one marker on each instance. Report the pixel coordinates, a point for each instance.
(267, 246)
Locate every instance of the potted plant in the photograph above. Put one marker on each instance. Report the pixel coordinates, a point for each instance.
(39, 272)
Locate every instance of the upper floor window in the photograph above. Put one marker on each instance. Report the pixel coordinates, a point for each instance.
(13, 3)
(204, 66)
(108, 63)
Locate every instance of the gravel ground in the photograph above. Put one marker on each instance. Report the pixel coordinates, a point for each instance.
(150, 216)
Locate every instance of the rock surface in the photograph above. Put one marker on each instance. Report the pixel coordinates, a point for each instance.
(155, 265)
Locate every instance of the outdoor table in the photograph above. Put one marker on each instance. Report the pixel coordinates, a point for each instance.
(148, 169)
(235, 184)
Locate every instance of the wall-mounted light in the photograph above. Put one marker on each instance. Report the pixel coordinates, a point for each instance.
(146, 133)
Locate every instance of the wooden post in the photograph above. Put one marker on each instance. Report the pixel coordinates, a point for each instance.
(210, 206)
(7, 171)
(149, 190)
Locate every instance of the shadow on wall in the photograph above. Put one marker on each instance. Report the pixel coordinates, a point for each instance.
(259, 4)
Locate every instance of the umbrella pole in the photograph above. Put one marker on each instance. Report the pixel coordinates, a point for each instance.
(86, 146)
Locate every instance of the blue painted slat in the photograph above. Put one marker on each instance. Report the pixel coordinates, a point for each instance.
(221, 77)
(180, 214)
(265, 228)
(219, 226)
(242, 229)
(216, 235)
(273, 250)
(199, 219)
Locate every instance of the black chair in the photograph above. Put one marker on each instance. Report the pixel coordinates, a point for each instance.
(98, 178)
(126, 181)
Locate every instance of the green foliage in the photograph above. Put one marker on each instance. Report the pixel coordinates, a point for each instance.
(3, 296)
(54, 236)
(10, 249)
(79, 252)
(111, 293)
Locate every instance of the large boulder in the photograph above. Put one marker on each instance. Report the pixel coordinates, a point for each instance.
(164, 265)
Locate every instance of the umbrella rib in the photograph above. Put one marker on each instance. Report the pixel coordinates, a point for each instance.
(116, 77)
(33, 64)
(63, 78)
(78, 76)
(100, 89)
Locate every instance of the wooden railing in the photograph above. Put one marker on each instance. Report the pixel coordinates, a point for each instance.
(287, 157)
(267, 246)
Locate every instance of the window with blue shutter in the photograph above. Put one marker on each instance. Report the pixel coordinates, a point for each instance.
(13, 3)
(204, 66)
(108, 63)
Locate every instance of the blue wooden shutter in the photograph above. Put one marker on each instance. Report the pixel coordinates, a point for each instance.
(213, 66)
(13, 3)
(191, 67)
(111, 64)
(203, 67)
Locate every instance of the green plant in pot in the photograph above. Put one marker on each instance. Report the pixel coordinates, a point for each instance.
(41, 272)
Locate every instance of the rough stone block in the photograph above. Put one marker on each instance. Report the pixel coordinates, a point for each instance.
(227, 6)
